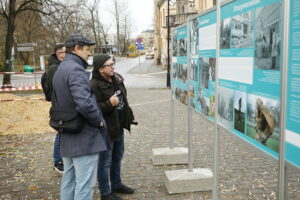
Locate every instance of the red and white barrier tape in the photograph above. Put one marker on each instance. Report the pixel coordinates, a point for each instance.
(41, 72)
(6, 100)
(18, 84)
(20, 88)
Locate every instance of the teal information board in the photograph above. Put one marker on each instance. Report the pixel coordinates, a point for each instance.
(293, 87)
(179, 77)
(202, 58)
(249, 71)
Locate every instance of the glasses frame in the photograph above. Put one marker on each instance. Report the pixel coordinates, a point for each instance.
(110, 65)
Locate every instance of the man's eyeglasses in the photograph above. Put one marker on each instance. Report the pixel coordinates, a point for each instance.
(110, 65)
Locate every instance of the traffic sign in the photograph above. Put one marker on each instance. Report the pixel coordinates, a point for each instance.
(25, 48)
(139, 44)
(27, 44)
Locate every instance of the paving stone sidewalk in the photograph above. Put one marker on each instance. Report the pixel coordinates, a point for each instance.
(245, 172)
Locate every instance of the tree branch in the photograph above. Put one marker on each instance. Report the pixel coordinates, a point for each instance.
(3, 13)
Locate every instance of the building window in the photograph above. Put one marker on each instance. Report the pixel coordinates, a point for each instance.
(164, 18)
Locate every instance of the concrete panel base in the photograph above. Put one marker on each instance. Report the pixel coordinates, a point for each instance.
(165, 156)
(181, 181)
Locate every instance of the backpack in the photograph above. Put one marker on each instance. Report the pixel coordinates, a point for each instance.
(47, 89)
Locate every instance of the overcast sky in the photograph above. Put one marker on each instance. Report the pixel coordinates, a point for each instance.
(141, 14)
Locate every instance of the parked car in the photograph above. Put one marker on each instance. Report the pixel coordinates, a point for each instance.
(149, 55)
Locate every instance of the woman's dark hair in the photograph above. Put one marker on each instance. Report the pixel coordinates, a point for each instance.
(58, 46)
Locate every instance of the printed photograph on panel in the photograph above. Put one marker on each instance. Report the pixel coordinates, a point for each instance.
(181, 96)
(225, 33)
(183, 72)
(192, 95)
(263, 121)
(180, 72)
(174, 45)
(242, 31)
(182, 47)
(239, 111)
(207, 71)
(193, 70)
(212, 68)
(225, 107)
(194, 31)
(203, 102)
(268, 38)
(212, 106)
(174, 70)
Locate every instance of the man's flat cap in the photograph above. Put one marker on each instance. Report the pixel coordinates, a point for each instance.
(78, 39)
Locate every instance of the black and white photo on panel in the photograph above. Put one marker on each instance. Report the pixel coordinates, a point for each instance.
(183, 72)
(239, 111)
(194, 37)
(268, 37)
(174, 45)
(182, 47)
(225, 32)
(212, 69)
(242, 30)
(207, 71)
(204, 102)
(193, 69)
(225, 106)
(174, 70)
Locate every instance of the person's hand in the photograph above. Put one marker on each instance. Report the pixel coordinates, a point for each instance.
(114, 100)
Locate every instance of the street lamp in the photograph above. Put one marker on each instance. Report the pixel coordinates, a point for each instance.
(168, 46)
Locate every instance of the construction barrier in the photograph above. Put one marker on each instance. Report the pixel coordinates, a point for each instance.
(41, 72)
(20, 89)
(19, 84)
(6, 100)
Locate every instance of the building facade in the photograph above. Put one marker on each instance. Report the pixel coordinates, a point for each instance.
(180, 10)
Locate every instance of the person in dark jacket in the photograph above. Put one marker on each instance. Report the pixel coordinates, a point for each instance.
(111, 94)
(80, 150)
(55, 59)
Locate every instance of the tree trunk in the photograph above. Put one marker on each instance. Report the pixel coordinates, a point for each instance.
(9, 41)
(25, 57)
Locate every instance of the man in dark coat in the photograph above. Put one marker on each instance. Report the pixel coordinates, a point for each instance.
(55, 59)
(80, 150)
(111, 94)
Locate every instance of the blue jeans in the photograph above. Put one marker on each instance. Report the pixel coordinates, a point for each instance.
(109, 167)
(56, 153)
(79, 177)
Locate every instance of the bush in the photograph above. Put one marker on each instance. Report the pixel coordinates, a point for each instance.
(133, 55)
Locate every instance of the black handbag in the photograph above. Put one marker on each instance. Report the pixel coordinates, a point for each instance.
(65, 120)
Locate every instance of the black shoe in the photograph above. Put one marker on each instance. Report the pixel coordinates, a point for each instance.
(111, 197)
(124, 190)
(59, 167)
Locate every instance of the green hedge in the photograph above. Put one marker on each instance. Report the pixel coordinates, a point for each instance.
(133, 55)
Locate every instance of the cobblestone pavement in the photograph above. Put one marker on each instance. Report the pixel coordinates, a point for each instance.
(244, 172)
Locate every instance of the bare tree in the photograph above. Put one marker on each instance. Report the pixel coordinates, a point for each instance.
(93, 22)
(126, 31)
(28, 27)
(117, 7)
(65, 21)
(122, 19)
(10, 9)
(104, 32)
